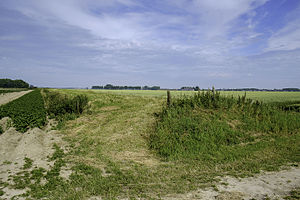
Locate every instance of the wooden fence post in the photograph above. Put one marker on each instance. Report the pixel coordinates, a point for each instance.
(168, 98)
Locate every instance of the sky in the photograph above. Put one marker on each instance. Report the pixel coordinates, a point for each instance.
(170, 43)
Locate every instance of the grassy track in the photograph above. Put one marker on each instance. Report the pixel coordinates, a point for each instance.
(111, 157)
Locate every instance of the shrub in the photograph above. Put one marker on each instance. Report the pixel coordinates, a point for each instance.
(58, 104)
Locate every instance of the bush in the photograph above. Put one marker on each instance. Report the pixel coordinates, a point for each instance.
(58, 104)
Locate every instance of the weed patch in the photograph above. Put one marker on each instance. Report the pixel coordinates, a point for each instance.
(39, 182)
(64, 107)
(28, 163)
(294, 194)
(200, 127)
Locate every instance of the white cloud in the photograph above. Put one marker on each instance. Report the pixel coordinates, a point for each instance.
(288, 38)
(215, 17)
(82, 14)
(201, 18)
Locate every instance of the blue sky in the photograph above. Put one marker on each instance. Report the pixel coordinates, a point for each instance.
(171, 43)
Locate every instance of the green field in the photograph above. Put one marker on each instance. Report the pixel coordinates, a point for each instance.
(129, 144)
(262, 96)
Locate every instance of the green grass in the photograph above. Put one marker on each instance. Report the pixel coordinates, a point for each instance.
(266, 96)
(28, 163)
(294, 194)
(110, 152)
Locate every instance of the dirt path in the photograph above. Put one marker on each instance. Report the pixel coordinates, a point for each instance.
(268, 185)
(5, 98)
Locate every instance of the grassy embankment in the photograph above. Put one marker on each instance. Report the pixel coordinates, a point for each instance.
(111, 154)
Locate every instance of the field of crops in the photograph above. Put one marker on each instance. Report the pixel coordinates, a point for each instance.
(26, 112)
(257, 95)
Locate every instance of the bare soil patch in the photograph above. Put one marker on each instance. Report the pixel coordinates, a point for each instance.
(267, 185)
(35, 144)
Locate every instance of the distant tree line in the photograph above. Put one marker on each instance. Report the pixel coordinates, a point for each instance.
(256, 89)
(188, 88)
(8, 83)
(185, 88)
(115, 87)
(291, 89)
(151, 88)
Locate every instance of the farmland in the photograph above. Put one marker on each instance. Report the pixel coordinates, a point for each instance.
(115, 138)
(117, 149)
(26, 112)
(261, 96)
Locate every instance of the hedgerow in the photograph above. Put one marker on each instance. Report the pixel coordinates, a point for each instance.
(58, 104)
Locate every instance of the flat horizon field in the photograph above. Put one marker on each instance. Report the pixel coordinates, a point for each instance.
(264, 96)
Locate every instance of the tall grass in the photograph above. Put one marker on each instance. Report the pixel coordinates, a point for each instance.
(210, 126)
(58, 104)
